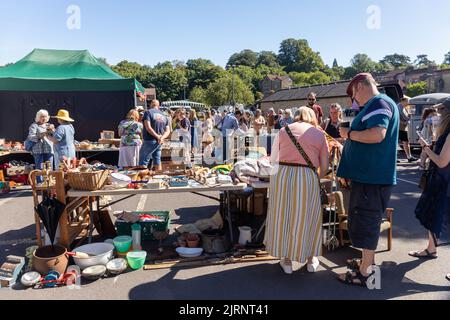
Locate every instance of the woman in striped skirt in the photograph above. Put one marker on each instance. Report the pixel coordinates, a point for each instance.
(294, 218)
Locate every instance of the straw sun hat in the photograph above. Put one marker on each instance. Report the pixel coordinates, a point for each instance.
(63, 115)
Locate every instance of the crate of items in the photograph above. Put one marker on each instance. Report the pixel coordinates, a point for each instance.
(179, 181)
(19, 170)
(150, 222)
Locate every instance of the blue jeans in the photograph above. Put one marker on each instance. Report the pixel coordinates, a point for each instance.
(151, 150)
(39, 160)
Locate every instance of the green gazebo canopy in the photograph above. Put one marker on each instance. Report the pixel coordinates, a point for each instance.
(63, 70)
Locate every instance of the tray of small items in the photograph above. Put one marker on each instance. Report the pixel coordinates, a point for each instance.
(179, 181)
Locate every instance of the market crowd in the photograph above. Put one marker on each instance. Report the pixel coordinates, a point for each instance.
(303, 141)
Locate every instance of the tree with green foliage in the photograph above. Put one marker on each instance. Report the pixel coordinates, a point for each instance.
(417, 89)
(103, 60)
(361, 62)
(246, 57)
(134, 70)
(198, 94)
(170, 81)
(309, 78)
(297, 55)
(268, 58)
(220, 92)
(447, 58)
(335, 63)
(336, 73)
(423, 61)
(397, 61)
(349, 73)
(383, 67)
(202, 72)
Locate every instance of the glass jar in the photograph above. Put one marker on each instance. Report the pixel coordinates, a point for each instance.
(136, 235)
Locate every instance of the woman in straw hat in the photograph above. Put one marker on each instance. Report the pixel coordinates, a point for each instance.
(63, 137)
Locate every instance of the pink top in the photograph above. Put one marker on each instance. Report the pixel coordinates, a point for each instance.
(311, 139)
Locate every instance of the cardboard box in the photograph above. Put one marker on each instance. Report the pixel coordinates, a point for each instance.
(17, 171)
(171, 166)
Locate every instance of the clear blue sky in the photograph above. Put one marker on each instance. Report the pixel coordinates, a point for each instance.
(158, 30)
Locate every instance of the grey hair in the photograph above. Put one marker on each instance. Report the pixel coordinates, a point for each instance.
(289, 111)
(41, 113)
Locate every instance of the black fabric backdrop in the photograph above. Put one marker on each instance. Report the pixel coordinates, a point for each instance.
(92, 111)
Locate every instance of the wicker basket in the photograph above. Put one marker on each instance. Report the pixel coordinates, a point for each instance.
(87, 181)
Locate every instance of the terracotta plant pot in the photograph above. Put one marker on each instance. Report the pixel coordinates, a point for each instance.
(47, 259)
(193, 241)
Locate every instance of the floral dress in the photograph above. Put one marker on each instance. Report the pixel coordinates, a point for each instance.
(131, 141)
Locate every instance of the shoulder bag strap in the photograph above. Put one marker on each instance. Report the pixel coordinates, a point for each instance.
(300, 149)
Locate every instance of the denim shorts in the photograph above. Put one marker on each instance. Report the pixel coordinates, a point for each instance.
(368, 202)
(151, 150)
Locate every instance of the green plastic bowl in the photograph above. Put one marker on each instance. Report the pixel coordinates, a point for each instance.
(123, 243)
(136, 259)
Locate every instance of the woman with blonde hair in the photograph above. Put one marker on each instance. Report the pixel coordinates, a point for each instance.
(305, 114)
(130, 131)
(294, 219)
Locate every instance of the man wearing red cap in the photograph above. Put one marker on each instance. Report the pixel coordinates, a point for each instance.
(369, 160)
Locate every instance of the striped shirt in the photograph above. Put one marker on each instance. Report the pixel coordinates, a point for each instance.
(373, 163)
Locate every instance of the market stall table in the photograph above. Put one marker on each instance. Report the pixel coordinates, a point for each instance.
(128, 193)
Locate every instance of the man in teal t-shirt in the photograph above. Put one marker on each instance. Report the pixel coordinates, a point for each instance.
(369, 160)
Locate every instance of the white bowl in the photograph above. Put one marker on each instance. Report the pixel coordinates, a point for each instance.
(94, 272)
(189, 252)
(120, 180)
(117, 266)
(101, 254)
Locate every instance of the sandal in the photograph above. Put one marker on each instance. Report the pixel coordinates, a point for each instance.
(354, 264)
(350, 278)
(429, 255)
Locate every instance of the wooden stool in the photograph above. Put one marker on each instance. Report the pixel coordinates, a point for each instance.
(386, 225)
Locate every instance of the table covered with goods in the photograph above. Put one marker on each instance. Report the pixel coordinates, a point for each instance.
(71, 203)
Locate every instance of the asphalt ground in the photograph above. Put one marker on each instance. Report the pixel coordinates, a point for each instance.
(402, 277)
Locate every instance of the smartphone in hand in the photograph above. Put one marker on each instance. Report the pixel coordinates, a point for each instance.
(422, 140)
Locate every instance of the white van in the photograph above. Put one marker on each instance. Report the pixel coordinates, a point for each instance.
(418, 104)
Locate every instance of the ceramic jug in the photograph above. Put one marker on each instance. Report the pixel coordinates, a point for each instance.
(245, 235)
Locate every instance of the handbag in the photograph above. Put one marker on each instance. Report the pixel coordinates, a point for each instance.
(424, 179)
(323, 193)
(29, 145)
